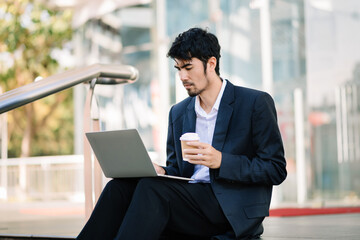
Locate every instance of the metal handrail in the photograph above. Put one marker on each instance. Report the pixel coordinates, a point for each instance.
(105, 74)
(94, 74)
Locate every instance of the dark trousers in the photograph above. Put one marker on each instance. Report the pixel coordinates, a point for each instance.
(155, 208)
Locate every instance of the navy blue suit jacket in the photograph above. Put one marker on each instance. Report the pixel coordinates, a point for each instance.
(247, 135)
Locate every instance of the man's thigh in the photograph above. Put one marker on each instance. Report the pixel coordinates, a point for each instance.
(193, 207)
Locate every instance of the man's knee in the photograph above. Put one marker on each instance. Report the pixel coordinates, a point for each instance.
(113, 184)
(151, 186)
(149, 183)
(120, 186)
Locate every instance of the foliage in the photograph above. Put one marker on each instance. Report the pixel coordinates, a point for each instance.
(29, 32)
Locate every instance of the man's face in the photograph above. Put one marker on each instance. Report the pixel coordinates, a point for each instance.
(192, 75)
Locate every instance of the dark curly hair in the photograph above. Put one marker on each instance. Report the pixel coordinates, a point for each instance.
(197, 43)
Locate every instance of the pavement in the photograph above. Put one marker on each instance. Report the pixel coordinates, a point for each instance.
(336, 226)
(66, 220)
(41, 218)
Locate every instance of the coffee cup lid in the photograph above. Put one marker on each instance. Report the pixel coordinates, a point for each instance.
(189, 137)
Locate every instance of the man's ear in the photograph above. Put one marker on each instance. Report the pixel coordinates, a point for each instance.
(211, 63)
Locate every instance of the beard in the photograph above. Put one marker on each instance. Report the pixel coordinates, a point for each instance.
(195, 92)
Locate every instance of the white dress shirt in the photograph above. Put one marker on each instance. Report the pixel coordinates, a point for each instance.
(205, 126)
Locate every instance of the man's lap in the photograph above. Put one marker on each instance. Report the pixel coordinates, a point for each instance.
(193, 206)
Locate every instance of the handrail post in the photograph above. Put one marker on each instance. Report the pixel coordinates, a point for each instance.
(87, 152)
(92, 169)
(95, 124)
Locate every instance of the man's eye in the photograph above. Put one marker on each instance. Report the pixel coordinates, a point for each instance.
(188, 69)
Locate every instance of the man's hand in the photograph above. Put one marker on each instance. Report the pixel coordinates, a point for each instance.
(159, 169)
(204, 154)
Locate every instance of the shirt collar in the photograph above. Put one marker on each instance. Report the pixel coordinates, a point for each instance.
(217, 102)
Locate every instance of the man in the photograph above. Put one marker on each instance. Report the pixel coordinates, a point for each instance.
(237, 161)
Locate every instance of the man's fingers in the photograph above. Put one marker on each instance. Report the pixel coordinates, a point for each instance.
(158, 168)
(193, 151)
(203, 154)
(197, 144)
(194, 156)
(197, 161)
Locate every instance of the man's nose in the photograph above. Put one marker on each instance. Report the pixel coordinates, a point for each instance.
(183, 75)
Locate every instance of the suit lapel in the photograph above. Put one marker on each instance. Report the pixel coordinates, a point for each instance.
(190, 117)
(189, 125)
(223, 117)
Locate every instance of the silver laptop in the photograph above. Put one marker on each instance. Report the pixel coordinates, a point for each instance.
(122, 154)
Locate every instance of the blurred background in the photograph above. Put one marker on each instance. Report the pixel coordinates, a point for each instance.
(305, 53)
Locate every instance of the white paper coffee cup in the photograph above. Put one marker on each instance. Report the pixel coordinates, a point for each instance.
(185, 138)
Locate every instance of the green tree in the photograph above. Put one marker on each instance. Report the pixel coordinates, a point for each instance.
(29, 32)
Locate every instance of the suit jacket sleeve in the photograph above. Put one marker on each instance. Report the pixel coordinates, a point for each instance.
(266, 163)
(172, 167)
